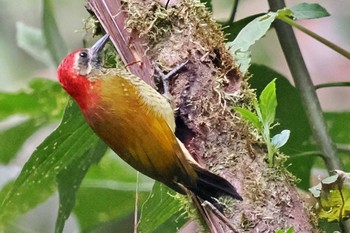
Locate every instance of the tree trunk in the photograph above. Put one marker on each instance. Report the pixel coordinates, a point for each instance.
(204, 95)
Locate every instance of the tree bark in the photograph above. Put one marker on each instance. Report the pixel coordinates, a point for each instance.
(204, 95)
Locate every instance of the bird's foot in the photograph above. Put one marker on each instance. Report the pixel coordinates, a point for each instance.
(165, 77)
(210, 207)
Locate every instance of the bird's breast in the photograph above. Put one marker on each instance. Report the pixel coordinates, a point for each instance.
(129, 119)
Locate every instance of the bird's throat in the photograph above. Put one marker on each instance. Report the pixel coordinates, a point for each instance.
(84, 92)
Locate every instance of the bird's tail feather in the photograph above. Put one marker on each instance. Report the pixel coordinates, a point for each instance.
(210, 186)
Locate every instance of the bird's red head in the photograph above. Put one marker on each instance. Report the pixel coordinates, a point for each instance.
(73, 72)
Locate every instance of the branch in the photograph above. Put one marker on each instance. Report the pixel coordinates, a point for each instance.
(316, 37)
(306, 89)
(128, 44)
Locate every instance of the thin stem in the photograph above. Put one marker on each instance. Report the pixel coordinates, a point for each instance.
(306, 89)
(345, 148)
(334, 84)
(167, 3)
(136, 202)
(342, 223)
(308, 153)
(234, 11)
(315, 36)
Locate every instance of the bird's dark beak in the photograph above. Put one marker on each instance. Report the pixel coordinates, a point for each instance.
(96, 49)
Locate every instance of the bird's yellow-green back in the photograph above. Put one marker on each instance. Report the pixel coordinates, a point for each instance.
(140, 125)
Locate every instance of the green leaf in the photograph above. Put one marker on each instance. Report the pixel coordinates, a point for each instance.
(268, 103)
(249, 116)
(96, 206)
(173, 224)
(316, 190)
(55, 43)
(252, 32)
(6, 188)
(32, 41)
(42, 103)
(289, 109)
(113, 180)
(333, 196)
(308, 11)
(280, 139)
(289, 230)
(12, 139)
(71, 141)
(43, 98)
(160, 206)
(285, 12)
(232, 29)
(115, 174)
(69, 181)
(239, 48)
(338, 129)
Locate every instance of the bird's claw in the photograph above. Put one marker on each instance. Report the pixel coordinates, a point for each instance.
(165, 77)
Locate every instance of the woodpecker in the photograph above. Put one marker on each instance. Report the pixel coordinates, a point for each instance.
(137, 123)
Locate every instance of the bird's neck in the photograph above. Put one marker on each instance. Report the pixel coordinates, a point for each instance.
(83, 91)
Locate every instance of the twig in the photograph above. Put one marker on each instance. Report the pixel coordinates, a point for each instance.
(345, 148)
(334, 84)
(136, 201)
(234, 11)
(167, 3)
(316, 37)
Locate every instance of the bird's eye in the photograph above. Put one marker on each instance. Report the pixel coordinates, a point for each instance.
(83, 54)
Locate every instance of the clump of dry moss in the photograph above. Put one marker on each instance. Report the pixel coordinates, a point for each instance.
(161, 29)
(187, 18)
